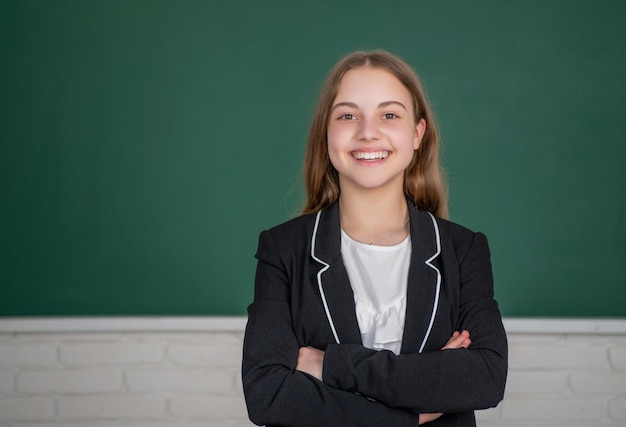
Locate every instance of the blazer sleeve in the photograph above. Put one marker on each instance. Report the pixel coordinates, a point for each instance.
(441, 380)
(275, 392)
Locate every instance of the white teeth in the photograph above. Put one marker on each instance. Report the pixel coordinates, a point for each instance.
(376, 155)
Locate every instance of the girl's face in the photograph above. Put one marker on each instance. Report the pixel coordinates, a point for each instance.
(372, 133)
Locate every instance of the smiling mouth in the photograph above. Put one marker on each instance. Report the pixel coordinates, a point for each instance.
(375, 155)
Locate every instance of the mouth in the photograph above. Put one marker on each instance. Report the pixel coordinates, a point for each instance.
(370, 155)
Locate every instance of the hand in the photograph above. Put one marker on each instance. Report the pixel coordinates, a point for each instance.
(458, 340)
(426, 418)
(311, 361)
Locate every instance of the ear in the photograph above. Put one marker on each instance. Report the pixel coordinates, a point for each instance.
(420, 129)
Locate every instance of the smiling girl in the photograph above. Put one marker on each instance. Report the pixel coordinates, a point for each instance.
(371, 308)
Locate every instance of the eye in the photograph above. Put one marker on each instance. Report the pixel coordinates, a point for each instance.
(389, 116)
(347, 116)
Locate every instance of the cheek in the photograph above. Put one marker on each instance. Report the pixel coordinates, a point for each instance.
(403, 137)
(335, 133)
(333, 152)
(335, 144)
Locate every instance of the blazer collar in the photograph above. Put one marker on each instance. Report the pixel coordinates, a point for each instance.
(328, 234)
(423, 281)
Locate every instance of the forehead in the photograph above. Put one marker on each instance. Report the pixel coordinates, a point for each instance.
(369, 84)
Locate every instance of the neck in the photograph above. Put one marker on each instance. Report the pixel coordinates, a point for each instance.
(374, 217)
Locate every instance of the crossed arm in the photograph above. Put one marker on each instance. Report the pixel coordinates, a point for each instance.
(311, 361)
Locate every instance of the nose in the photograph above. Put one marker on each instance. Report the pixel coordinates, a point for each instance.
(369, 130)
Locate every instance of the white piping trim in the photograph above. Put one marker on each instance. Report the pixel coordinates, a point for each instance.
(319, 277)
(428, 263)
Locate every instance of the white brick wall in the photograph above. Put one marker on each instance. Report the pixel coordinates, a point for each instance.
(185, 373)
(563, 378)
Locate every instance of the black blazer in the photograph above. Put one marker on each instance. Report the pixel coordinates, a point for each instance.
(303, 298)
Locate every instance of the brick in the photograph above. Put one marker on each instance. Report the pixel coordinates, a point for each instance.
(599, 382)
(223, 355)
(7, 382)
(211, 407)
(617, 408)
(501, 423)
(537, 339)
(238, 383)
(17, 408)
(230, 423)
(234, 339)
(176, 423)
(547, 409)
(69, 424)
(537, 382)
(214, 381)
(69, 381)
(112, 406)
(488, 414)
(123, 353)
(27, 355)
(87, 337)
(599, 424)
(558, 356)
(617, 355)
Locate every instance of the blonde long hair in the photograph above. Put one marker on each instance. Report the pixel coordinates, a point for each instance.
(424, 181)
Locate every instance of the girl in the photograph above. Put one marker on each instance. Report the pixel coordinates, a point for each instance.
(365, 303)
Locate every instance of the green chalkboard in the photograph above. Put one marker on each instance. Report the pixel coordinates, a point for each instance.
(145, 144)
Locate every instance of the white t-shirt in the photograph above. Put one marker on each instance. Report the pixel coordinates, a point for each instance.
(378, 275)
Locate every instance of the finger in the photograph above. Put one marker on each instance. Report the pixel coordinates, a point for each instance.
(454, 342)
(466, 343)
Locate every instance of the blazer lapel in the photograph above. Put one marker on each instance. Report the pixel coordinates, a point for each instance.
(422, 288)
(423, 282)
(336, 291)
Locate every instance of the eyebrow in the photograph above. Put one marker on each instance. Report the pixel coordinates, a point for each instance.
(381, 105)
